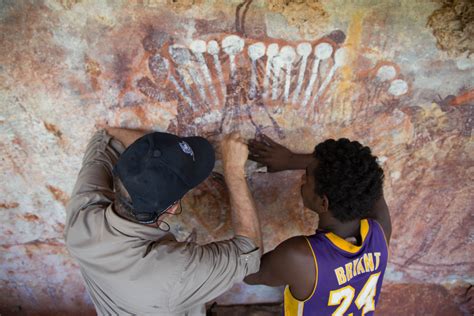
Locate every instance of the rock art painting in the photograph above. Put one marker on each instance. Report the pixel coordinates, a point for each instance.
(387, 73)
(220, 83)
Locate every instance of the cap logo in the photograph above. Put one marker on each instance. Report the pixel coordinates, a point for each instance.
(186, 149)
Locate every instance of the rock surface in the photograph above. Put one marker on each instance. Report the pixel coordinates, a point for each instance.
(373, 73)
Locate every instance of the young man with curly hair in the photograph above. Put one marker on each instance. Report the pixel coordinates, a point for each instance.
(338, 270)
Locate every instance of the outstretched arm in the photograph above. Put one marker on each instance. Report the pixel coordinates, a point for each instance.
(275, 156)
(381, 214)
(211, 269)
(244, 214)
(94, 183)
(288, 264)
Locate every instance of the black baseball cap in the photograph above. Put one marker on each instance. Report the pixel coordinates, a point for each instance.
(158, 169)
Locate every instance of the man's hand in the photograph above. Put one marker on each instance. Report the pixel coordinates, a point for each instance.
(234, 153)
(275, 156)
(124, 135)
(266, 151)
(245, 221)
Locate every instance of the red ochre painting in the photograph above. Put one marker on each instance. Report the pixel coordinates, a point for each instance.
(298, 71)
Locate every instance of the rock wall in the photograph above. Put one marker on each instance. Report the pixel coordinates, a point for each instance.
(299, 71)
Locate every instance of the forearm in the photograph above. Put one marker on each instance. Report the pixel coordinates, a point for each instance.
(245, 220)
(99, 158)
(299, 161)
(124, 135)
(94, 181)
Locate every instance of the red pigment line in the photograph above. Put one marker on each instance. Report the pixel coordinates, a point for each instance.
(31, 217)
(37, 242)
(53, 129)
(58, 194)
(242, 23)
(237, 17)
(9, 205)
(463, 98)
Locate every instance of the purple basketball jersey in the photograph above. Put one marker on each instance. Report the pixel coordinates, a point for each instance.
(349, 277)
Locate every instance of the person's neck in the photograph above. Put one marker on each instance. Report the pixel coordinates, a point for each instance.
(345, 230)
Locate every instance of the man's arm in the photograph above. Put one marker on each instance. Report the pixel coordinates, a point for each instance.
(124, 135)
(94, 183)
(275, 156)
(288, 264)
(381, 214)
(211, 269)
(244, 214)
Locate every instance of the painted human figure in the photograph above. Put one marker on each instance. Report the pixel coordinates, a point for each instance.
(338, 270)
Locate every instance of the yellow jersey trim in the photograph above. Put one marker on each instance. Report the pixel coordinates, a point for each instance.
(316, 270)
(293, 306)
(384, 238)
(347, 246)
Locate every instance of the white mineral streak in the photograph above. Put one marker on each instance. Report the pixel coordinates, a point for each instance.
(255, 51)
(272, 51)
(288, 56)
(213, 49)
(322, 51)
(277, 64)
(177, 86)
(386, 72)
(398, 87)
(303, 49)
(199, 47)
(179, 57)
(232, 45)
(339, 60)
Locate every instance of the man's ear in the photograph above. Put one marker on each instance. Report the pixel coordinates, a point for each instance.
(174, 209)
(171, 210)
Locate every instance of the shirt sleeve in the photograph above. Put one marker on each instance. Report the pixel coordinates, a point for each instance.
(212, 269)
(94, 185)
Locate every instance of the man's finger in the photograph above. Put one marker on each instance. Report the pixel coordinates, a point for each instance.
(259, 146)
(263, 155)
(235, 135)
(269, 140)
(257, 152)
(257, 158)
(231, 136)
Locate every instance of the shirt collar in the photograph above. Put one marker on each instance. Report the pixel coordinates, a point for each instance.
(130, 228)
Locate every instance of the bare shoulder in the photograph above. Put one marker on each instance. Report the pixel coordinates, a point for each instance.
(296, 254)
(287, 264)
(299, 261)
(296, 246)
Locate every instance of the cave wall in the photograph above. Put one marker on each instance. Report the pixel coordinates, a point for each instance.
(395, 75)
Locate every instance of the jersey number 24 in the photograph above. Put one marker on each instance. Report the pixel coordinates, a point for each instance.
(344, 296)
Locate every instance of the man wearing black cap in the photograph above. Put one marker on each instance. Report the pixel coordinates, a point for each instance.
(131, 264)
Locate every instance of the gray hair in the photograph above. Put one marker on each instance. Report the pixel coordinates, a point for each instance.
(123, 203)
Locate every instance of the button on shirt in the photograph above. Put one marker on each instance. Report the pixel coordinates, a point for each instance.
(133, 269)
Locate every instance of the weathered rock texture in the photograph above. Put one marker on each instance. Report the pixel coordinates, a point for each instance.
(366, 70)
(453, 26)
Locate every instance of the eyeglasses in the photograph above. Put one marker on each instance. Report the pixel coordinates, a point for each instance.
(158, 222)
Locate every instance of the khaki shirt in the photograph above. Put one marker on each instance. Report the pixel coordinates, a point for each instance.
(133, 269)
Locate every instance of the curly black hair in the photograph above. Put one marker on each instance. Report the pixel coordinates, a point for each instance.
(350, 177)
